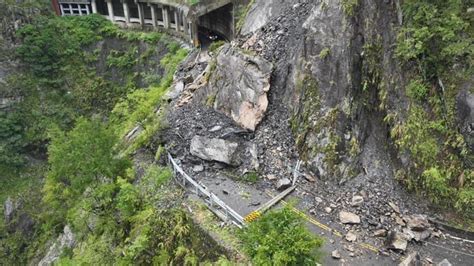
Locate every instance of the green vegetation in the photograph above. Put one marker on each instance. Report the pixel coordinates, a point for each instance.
(307, 86)
(416, 90)
(65, 77)
(280, 238)
(79, 100)
(215, 46)
(251, 177)
(81, 157)
(436, 44)
(193, 2)
(324, 53)
(241, 15)
(211, 99)
(349, 6)
(435, 36)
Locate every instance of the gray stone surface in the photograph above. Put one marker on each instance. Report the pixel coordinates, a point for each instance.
(9, 209)
(239, 85)
(215, 150)
(417, 222)
(397, 241)
(349, 218)
(65, 240)
(413, 259)
(445, 262)
(259, 14)
(283, 183)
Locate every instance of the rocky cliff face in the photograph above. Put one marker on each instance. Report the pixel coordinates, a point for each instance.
(338, 76)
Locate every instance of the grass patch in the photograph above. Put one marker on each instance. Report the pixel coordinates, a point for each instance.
(242, 15)
(251, 177)
(216, 45)
(324, 53)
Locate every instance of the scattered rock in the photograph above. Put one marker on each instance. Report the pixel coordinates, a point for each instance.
(283, 183)
(174, 91)
(225, 192)
(436, 233)
(357, 200)
(255, 203)
(271, 177)
(335, 254)
(396, 241)
(198, 168)
(215, 129)
(328, 210)
(348, 218)
(399, 221)
(417, 222)
(413, 259)
(215, 150)
(351, 237)
(380, 233)
(417, 235)
(394, 207)
(445, 262)
(309, 177)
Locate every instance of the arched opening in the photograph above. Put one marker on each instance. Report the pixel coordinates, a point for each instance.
(217, 24)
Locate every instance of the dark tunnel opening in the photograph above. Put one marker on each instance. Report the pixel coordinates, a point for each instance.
(217, 25)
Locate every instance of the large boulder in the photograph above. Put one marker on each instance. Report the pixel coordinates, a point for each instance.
(238, 86)
(417, 222)
(349, 218)
(215, 150)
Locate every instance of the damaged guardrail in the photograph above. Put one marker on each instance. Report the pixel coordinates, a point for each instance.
(216, 205)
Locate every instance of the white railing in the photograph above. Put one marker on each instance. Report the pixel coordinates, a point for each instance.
(216, 205)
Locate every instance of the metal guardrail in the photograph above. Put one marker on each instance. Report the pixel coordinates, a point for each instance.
(216, 205)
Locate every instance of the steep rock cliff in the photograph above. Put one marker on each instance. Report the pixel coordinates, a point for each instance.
(345, 90)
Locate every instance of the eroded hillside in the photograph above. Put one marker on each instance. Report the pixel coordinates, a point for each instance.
(362, 109)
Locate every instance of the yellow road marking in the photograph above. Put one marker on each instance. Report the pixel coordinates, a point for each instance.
(327, 228)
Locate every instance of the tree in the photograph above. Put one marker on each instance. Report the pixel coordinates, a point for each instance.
(79, 158)
(280, 238)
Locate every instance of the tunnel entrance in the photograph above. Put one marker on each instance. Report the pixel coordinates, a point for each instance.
(216, 25)
(207, 37)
